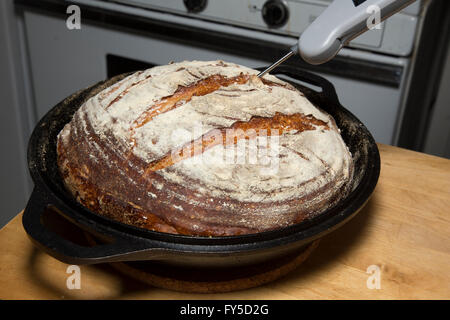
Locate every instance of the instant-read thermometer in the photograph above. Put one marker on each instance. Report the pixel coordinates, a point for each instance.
(341, 22)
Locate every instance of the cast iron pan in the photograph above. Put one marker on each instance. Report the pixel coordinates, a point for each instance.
(122, 242)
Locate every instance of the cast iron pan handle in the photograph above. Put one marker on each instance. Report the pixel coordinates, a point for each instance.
(71, 253)
(328, 94)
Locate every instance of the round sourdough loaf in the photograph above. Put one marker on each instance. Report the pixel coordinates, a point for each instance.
(204, 148)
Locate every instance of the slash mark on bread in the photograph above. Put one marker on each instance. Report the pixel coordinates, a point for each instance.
(185, 93)
(123, 93)
(182, 95)
(256, 126)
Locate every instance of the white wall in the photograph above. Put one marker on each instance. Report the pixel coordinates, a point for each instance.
(15, 118)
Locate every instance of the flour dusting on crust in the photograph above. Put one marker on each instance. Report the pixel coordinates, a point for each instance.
(311, 165)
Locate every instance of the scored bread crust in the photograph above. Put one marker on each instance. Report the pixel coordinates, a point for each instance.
(149, 151)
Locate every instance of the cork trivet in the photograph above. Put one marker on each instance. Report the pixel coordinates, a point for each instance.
(212, 280)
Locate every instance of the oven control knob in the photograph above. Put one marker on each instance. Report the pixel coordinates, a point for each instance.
(275, 13)
(195, 6)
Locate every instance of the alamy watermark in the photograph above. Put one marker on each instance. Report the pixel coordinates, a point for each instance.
(374, 20)
(374, 280)
(73, 22)
(74, 280)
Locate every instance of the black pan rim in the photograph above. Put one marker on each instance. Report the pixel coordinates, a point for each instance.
(332, 217)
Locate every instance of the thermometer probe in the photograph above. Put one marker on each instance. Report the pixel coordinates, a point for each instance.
(340, 23)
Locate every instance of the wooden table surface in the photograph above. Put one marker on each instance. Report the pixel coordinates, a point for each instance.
(404, 230)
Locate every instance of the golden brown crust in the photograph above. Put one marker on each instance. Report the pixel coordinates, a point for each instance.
(106, 176)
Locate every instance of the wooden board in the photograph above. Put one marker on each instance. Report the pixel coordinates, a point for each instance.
(404, 230)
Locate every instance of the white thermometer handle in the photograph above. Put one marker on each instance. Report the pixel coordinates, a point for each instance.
(341, 22)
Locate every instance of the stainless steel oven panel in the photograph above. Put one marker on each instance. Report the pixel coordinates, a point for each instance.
(396, 36)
